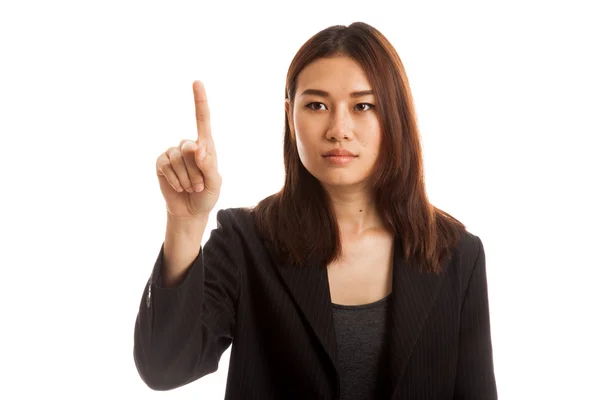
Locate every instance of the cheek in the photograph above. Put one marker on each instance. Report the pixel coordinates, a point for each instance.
(306, 137)
(371, 143)
(303, 145)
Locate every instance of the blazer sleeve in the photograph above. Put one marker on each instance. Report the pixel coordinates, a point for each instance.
(475, 378)
(181, 332)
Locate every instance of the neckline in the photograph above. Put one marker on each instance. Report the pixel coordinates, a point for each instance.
(361, 306)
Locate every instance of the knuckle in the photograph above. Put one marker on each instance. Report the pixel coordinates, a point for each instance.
(188, 149)
(163, 162)
(176, 160)
(186, 144)
(173, 152)
(161, 166)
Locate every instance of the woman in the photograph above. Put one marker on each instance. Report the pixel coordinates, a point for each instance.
(348, 283)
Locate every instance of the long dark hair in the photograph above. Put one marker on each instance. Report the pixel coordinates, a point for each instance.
(299, 224)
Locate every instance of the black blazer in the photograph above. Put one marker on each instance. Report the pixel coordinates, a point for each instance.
(280, 322)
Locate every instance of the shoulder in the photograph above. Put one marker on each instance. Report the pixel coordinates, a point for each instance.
(238, 224)
(469, 247)
(237, 218)
(233, 236)
(466, 256)
(237, 232)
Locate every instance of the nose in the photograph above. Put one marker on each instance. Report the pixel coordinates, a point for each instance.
(340, 127)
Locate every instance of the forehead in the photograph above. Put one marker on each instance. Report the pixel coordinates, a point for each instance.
(337, 75)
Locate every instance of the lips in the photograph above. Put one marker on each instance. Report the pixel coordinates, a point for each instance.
(339, 153)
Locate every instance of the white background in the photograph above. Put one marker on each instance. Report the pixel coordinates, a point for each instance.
(91, 92)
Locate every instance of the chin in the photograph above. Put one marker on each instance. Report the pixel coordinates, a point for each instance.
(338, 177)
(339, 181)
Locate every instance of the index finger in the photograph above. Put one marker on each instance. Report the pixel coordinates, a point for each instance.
(202, 111)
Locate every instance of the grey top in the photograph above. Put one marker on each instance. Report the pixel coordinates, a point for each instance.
(361, 339)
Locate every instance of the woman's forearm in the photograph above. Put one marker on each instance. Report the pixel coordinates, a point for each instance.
(183, 239)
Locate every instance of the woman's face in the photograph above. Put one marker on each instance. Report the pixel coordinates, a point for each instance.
(334, 109)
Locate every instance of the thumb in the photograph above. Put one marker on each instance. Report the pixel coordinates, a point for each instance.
(206, 160)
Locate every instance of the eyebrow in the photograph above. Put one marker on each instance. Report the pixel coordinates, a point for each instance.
(323, 93)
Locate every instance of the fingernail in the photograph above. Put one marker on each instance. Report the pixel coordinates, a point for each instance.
(199, 187)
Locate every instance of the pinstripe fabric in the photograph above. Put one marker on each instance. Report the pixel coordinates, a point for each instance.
(279, 322)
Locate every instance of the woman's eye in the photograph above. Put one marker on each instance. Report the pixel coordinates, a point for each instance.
(370, 106)
(315, 106)
(311, 105)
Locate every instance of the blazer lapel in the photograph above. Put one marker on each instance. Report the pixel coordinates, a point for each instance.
(309, 286)
(413, 294)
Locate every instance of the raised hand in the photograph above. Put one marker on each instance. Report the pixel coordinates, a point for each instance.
(188, 175)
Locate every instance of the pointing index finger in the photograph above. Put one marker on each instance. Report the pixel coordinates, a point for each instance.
(202, 111)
